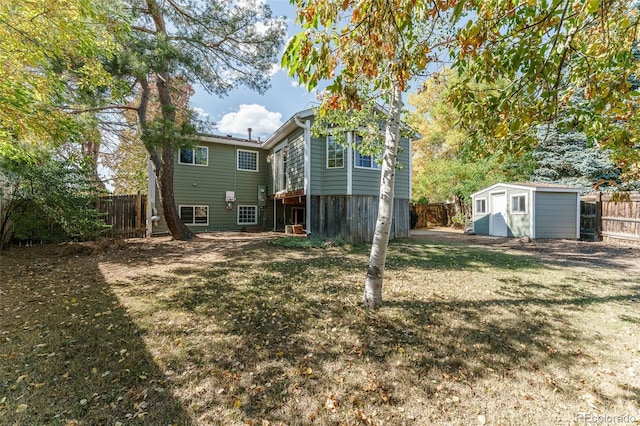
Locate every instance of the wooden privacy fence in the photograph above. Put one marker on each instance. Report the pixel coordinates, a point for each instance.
(126, 214)
(612, 217)
(434, 214)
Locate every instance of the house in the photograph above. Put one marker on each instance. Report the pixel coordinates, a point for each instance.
(532, 210)
(291, 181)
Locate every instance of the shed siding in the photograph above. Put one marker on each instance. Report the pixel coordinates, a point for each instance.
(555, 215)
(554, 212)
(481, 224)
(481, 221)
(519, 224)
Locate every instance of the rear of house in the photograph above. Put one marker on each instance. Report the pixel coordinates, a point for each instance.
(291, 181)
(331, 189)
(219, 185)
(527, 210)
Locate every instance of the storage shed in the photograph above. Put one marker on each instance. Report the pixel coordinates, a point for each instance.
(535, 210)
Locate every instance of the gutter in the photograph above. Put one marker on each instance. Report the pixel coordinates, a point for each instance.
(307, 168)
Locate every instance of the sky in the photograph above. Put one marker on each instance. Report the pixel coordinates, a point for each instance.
(244, 108)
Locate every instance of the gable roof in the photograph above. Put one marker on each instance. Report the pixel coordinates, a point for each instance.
(532, 186)
(287, 127)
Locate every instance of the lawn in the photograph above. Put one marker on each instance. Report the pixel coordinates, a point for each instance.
(231, 329)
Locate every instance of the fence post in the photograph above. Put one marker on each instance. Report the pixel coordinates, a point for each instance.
(598, 230)
(138, 214)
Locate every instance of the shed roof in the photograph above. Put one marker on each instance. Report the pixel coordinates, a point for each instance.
(533, 186)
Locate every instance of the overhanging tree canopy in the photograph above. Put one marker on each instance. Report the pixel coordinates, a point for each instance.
(217, 44)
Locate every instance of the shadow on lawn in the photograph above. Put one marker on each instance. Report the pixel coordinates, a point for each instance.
(291, 331)
(70, 352)
(270, 333)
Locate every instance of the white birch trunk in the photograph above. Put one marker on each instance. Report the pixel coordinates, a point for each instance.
(375, 272)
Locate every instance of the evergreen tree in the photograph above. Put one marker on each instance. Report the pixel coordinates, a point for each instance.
(564, 157)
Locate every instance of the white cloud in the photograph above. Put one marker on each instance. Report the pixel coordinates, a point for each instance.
(202, 114)
(257, 117)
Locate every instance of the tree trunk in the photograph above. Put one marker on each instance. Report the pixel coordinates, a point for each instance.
(375, 272)
(164, 177)
(162, 151)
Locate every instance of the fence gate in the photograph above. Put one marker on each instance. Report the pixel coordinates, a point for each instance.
(126, 214)
(590, 209)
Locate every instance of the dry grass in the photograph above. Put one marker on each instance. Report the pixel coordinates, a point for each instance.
(230, 329)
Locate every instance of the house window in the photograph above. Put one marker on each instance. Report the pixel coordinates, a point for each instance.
(247, 160)
(247, 215)
(335, 153)
(364, 161)
(195, 215)
(481, 205)
(519, 204)
(198, 156)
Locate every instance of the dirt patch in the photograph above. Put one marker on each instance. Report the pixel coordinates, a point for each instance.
(568, 251)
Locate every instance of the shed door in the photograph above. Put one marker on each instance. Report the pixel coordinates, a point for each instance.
(498, 224)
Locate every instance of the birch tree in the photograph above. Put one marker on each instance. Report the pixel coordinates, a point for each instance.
(367, 49)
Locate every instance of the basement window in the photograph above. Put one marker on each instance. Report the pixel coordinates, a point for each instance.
(195, 215)
(247, 215)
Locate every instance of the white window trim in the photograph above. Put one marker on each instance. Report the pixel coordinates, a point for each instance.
(193, 206)
(257, 153)
(486, 204)
(327, 153)
(526, 204)
(356, 153)
(247, 223)
(194, 156)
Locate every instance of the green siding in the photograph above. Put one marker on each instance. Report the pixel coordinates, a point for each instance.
(294, 180)
(207, 186)
(555, 215)
(367, 181)
(318, 163)
(295, 161)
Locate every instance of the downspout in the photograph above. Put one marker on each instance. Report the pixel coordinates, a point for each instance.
(151, 197)
(349, 163)
(307, 169)
(410, 169)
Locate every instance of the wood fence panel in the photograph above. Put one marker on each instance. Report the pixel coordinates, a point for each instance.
(610, 217)
(621, 218)
(125, 214)
(431, 214)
